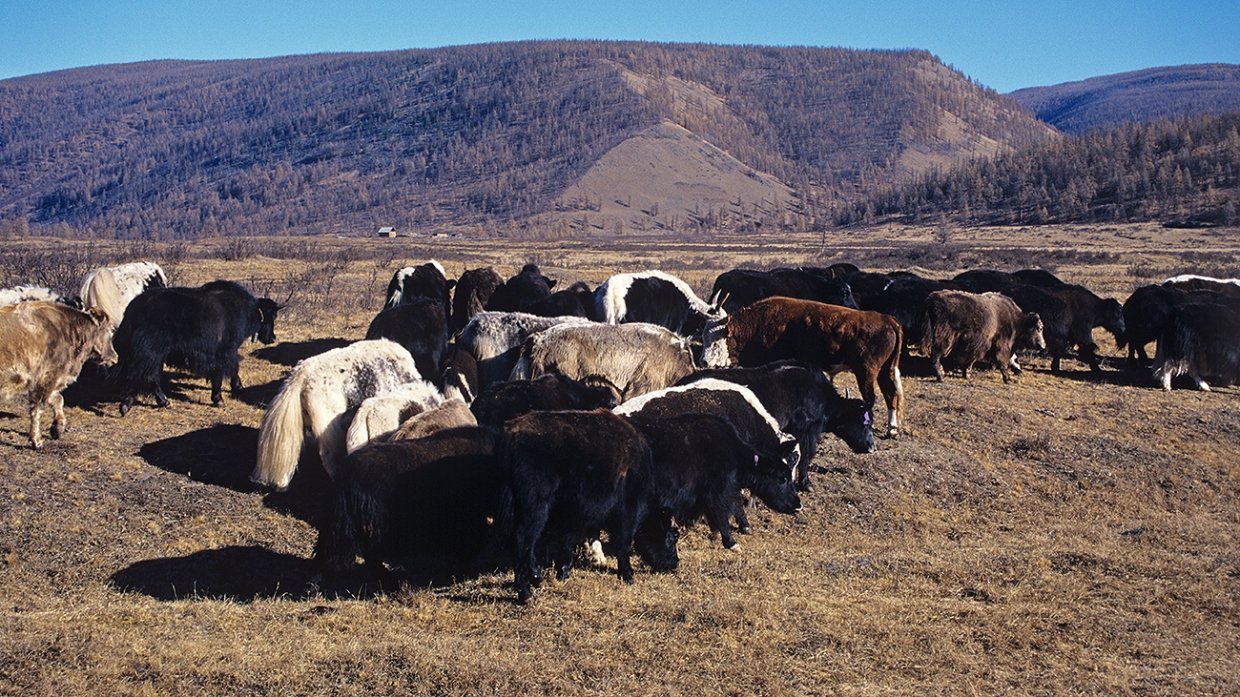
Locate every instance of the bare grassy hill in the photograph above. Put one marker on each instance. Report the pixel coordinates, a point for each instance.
(1064, 534)
(467, 134)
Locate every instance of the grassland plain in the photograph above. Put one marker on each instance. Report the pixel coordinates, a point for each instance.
(1063, 534)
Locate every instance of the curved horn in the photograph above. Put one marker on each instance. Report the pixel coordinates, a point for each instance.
(281, 306)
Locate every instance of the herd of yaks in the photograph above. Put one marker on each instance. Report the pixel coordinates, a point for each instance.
(505, 423)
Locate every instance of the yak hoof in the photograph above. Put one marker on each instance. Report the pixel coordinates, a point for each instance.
(36, 445)
(57, 431)
(736, 547)
(125, 407)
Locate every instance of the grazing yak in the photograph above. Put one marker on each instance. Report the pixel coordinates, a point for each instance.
(495, 340)
(473, 290)
(421, 327)
(449, 414)
(459, 375)
(1147, 309)
(429, 499)
(197, 329)
(1199, 340)
(805, 404)
(505, 401)
(964, 328)
(576, 300)
(1069, 314)
(525, 288)
(319, 397)
(735, 404)
(636, 358)
(570, 474)
(740, 287)
(656, 298)
(428, 281)
(829, 337)
(43, 346)
(112, 288)
(382, 414)
(700, 466)
(993, 281)
(904, 298)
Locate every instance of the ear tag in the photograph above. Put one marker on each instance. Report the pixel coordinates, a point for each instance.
(755, 459)
(865, 419)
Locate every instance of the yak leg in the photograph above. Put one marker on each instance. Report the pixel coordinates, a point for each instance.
(936, 360)
(526, 569)
(217, 388)
(58, 414)
(889, 383)
(36, 425)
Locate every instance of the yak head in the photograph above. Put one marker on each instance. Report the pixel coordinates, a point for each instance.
(266, 312)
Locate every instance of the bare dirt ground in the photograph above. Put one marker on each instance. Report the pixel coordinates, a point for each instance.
(1063, 534)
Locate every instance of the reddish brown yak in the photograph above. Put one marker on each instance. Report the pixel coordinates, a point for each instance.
(831, 337)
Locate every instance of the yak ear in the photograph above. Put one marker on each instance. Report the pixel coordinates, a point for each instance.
(551, 283)
(451, 283)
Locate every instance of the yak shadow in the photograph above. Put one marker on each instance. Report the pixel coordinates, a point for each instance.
(238, 574)
(224, 455)
(259, 395)
(289, 353)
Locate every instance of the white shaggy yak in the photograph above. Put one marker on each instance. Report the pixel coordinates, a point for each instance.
(318, 398)
(111, 288)
(495, 338)
(382, 414)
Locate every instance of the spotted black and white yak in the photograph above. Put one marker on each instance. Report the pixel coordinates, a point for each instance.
(380, 415)
(43, 346)
(829, 337)
(411, 283)
(495, 340)
(570, 474)
(804, 403)
(1201, 340)
(319, 398)
(636, 358)
(196, 329)
(111, 288)
(656, 298)
(963, 328)
(21, 294)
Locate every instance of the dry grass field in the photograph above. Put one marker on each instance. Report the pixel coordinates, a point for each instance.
(1062, 534)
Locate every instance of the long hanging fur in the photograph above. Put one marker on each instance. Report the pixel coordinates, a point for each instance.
(281, 435)
(101, 292)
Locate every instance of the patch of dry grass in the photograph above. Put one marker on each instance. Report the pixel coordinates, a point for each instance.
(1062, 534)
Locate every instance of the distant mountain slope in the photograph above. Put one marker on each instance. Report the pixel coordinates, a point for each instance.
(483, 134)
(1135, 97)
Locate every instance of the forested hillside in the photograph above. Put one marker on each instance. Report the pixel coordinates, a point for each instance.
(479, 135)
(1184, 172)
(1135, 97)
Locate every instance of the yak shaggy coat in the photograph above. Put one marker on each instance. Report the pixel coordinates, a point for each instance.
(42, 348)
(637, 358)
(965, 328)
(320, 397)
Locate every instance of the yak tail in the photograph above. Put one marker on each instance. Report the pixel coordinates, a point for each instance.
(891, 371)
(100, 292)
(1175, 353)
(281, 436)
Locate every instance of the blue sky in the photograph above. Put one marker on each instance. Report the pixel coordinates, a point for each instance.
(1001, 44)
